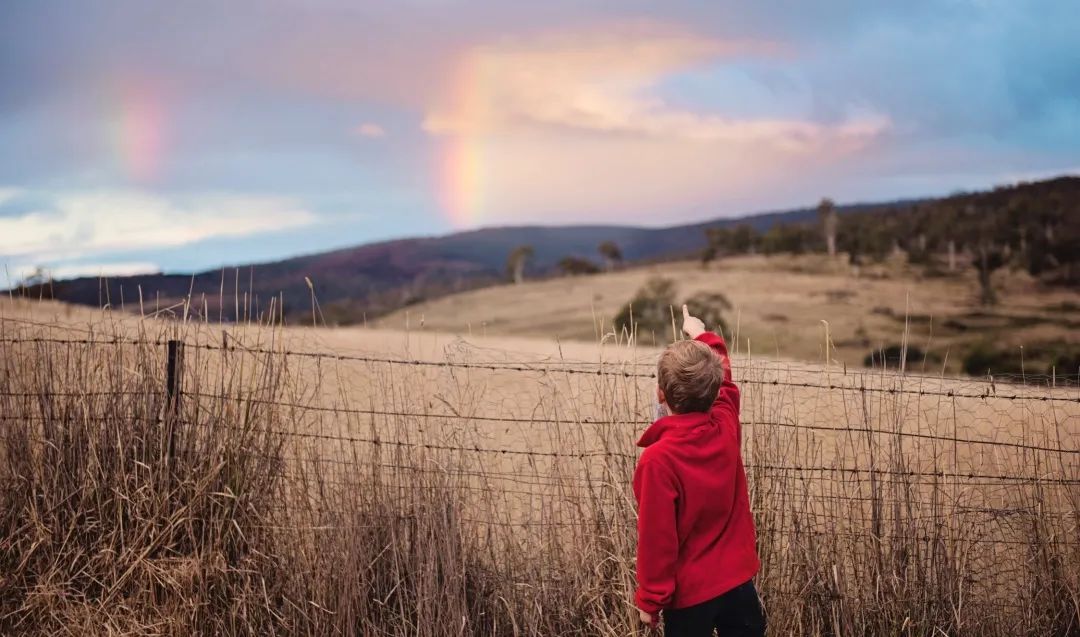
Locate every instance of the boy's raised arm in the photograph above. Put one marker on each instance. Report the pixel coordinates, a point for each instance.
(695, 329)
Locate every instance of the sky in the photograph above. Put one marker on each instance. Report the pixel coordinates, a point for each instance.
(144, 136)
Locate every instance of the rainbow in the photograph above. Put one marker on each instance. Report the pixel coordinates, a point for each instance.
(463, 164)
(138, 132)
(462, 180)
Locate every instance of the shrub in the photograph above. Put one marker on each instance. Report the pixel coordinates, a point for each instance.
(954, 324)
(1068, 363)
(990, 358)
(790, 238)
(576, 265)
(710, 308)
(649, 312)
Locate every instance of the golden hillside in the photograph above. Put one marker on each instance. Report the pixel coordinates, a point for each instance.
(779, 304)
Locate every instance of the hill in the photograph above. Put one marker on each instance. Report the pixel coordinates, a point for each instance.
(372, 279)
(779, 303)
(1032, 226)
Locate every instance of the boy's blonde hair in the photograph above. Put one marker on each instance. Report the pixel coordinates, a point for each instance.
(690, 374)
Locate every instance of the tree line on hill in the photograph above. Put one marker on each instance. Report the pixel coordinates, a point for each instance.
(1029, 226)
(571, 265)
(1035, 227)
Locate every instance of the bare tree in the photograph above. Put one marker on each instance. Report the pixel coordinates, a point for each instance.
(715, 239)
(827, 214)
(515, 263)
(989, 259)
(613, 256)
(38, 276)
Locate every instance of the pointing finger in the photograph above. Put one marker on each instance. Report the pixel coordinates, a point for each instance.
(685, 312)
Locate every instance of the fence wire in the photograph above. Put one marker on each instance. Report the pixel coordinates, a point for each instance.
(856, 458)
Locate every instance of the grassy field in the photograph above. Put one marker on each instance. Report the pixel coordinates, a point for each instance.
(779, 305)
(389, 482)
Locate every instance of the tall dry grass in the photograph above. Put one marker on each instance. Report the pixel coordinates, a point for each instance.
(303, 495)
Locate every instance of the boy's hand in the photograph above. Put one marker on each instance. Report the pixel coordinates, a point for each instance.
(647, 618)
(692, 325)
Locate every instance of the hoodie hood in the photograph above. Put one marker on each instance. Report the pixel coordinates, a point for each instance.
(673, 423)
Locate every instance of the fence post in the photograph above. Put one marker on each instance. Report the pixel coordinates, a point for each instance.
(174, 371)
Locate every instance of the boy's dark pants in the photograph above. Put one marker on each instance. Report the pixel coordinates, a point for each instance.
(736, 613)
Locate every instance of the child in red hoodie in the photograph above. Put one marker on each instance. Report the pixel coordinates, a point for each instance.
(696, 555)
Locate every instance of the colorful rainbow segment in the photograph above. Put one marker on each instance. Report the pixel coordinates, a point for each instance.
(139, 136)
(462, 177)
(463, 164)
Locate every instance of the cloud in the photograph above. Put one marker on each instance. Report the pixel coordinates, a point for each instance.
(79, 225)
(369, 130)
(552, 111)
(573, 122)
(600, 81)
(7, 194)
(75, 270)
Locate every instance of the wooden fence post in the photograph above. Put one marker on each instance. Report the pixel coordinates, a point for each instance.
(174, 372)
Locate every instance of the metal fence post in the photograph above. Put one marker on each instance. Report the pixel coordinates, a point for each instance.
(174, 371)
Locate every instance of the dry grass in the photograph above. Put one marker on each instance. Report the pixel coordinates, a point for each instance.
(495, 500)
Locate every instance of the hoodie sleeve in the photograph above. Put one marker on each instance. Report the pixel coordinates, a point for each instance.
(728, 396)
(658, 540)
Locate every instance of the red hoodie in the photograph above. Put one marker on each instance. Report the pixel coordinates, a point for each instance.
(695, 531)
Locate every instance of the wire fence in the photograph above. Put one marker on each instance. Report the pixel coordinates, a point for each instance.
(1006, 390)
(859, 459)
(855, 386)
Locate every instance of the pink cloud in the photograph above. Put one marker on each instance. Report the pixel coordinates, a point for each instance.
(571, 121)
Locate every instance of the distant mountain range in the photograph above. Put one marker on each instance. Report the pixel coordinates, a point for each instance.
(372, 279)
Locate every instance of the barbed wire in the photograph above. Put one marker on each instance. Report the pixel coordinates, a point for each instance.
(808, 498)
(47, 393)
(333, 409)
(991, 393)
(95, 342)
(821, 469)
(599, 421)
(941, 500)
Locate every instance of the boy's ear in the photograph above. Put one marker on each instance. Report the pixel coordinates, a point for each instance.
(660, 397)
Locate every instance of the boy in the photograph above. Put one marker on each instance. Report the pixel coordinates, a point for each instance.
(696, 555)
